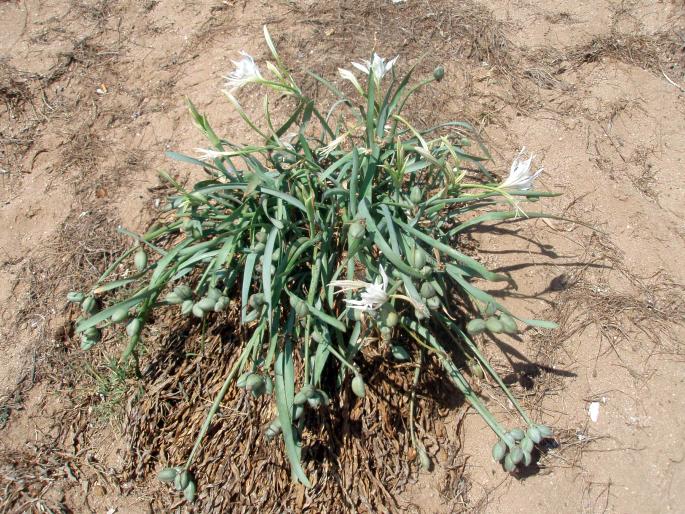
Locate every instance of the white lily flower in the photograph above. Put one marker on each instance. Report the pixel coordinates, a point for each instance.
(373, 296)
(207, 154)
(520, 177)
(377, 64)
(348, 75)
(325, 151)
(246, 71)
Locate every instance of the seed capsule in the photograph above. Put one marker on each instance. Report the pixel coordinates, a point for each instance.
(545, 431)
(259, 247)
(206, 304)
(134, 327)
(305, 394)
(516, 454)
(187, 307)
(76, 297)
(357, 230)
(261, 235)
(214, 293)
(189, 491)
(167, 475)
(391, 319)
(184, 292)
(508, 324)
(476, 369)
(527, 459)
(302, 309)
(140, 260)
(120, 315)
(399, 353)
(499, 450)
(439, 73)
(534, 435)
(425, 460)
(509, 464)
(256, 300)
(475, 326)
(88, 305)
(198, 312)
(184, 479)
(494, 325)
(254, 382)
(93, 333)
(517, 434)
(173, 298)
(416, 195)
(87, 344)
(427, 290)
(358, 386)
(418, 257)
(434, 303)
(298, 410)
(242, 379)
(527, 445)
(273, 429)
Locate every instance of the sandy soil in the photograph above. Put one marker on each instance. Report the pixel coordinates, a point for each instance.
(93, 95)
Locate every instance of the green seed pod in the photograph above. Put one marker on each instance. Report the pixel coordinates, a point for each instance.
(87, 344)
(184, 292)
(465, 141)
(254, 382)
(534, 435)
(120, 315)
(545, 431)
(358, 386)
(305, 394)
(508, 324)
(302, 309)
(399, 353)
(417, 257)
(424, 459)
(427, 290)
(242, 379)
(275, 255)
(187, 307)
(490, 309)
(475, 326)
(516, 454)
(517, 434)
(508, 440)
(509, 465)
(499, 450)
(527, 445)
(317, 336)
(177, 482)
(206, 304)
(391, 319)
(214, 293)
(426, 271)
(527, 459)
(420, 314)
(415, 195)
(88, 305)
(261, 235)
(259, 247)
(434, 303)
(173, 299)
(386, 333)
(140, 260)
(189, 491)
(92, 333)
(75, 297)
(494, 325)
(357, 230)
(167, 475)
(184, 479)
(324, 397)
(134, 327)
(221, 304)
(268, 385)
(273, 429)
(315, 401)
(198, 312)
(256, 300)
(439, 73)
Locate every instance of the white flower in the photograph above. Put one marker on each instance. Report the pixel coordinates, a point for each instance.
(348, 75)
(373, 296)
(207, 154)
(377, 64)
(325, 151)
(520, 178)
(246, 71)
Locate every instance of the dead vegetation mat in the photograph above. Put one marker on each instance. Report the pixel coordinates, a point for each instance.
(357, 452)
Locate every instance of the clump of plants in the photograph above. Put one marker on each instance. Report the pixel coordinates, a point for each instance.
(338, 231)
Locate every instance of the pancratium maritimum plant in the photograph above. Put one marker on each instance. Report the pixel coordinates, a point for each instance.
(338, 231)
